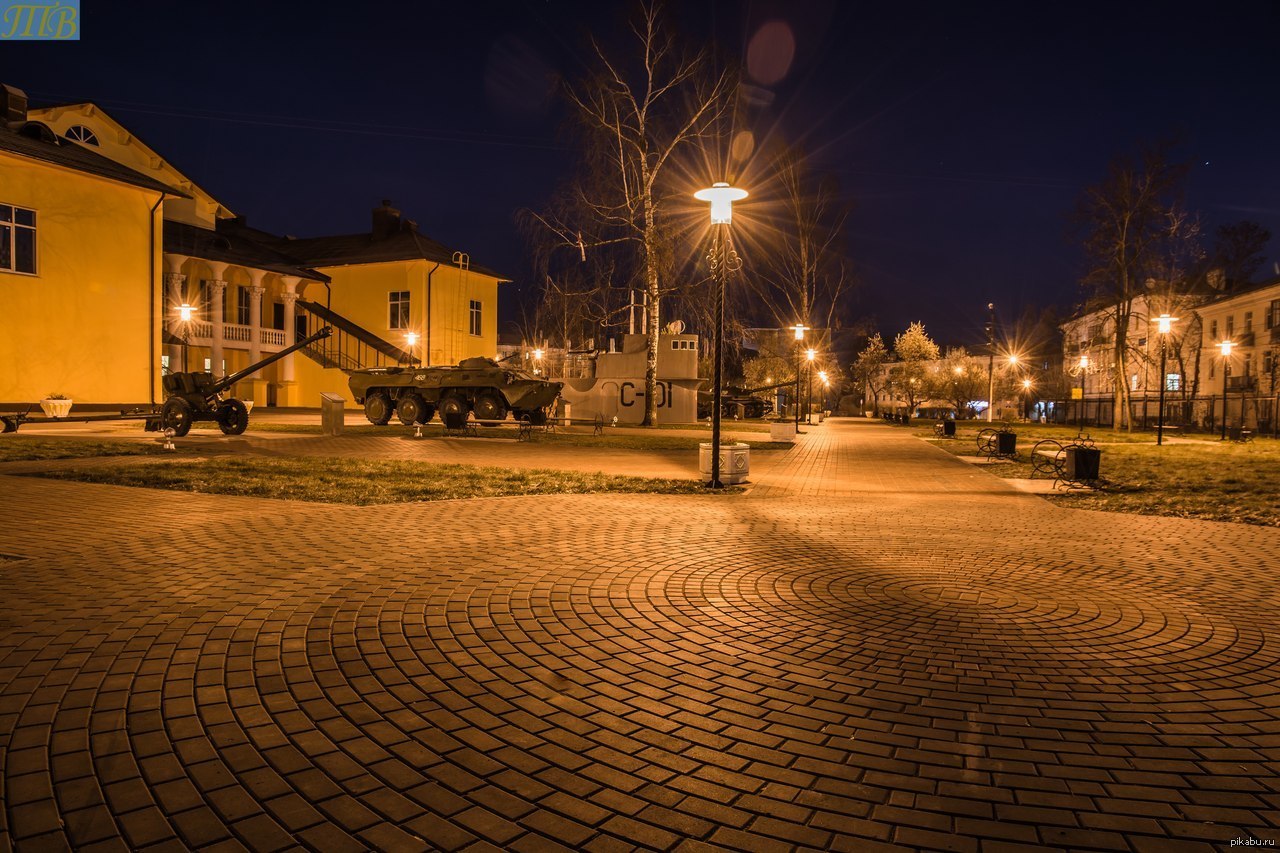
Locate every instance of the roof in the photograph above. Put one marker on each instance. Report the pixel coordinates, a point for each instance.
(345, 249)
(228, 246)
(37, 146)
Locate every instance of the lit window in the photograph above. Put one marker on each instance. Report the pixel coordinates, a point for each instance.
(80, 133)
(1173, 382)
(475, 317)
(398, 309)
(17, 239)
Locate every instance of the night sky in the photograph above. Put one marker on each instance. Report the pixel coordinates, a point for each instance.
(961, 133)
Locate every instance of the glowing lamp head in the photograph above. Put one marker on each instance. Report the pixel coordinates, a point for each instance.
(822, 374)
(1026, 384)
(1225, 347)
(412, 338)
(810, 354)
(1164, 323)
(184, 312)
(1084, 362)
(959, 370)
(1013, 359)
(537, 354)
(721, 196)
(799, 330)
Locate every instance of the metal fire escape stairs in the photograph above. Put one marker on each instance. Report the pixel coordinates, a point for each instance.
(350, 347)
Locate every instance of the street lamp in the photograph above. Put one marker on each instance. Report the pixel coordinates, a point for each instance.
(185, 312)
(1164, 324)
(808, 409)
(1225, 348)
(412, 338)
(1083, 369)
(1026, 399)
(799, 329)
(537, 362)
(724, 260)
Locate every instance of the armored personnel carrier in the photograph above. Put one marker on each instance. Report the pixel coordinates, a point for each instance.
(478, 385)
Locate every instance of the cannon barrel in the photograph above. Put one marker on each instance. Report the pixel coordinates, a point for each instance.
(227, 381)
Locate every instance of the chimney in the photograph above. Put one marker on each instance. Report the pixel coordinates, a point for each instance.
(386, 220)
(14, 104)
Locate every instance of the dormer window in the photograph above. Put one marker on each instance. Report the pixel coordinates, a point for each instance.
(80, 133)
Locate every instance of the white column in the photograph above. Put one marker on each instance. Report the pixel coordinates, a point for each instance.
(255, 314)
(217, 310)
(290, 299)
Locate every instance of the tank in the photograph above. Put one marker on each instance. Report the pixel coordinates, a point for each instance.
(481, 386)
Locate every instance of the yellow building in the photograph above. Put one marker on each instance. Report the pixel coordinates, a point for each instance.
(82, 174)
(80, 289)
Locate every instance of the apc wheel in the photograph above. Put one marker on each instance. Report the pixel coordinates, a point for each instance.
(452, 404)
(176, 415)
(490, 407)
(233, 417)
(377, 408)
(411, 409)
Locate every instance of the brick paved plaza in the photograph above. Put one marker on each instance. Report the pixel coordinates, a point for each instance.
(878, 647)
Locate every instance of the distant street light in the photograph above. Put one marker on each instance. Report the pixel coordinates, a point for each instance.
(537, 362)
(1164, 324)
(1225, 348)
(799, 329)
(724, 260)
(185, 313)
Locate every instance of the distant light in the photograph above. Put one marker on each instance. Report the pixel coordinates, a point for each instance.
(799, 329)
(537, 354)
(1013, 359)
(1165, 323)
(959, 370)
(1084, 362)
(184, 312)
(1225, 347)
(811, 353)
(412, 338)
(1026, 383)
(722, 196)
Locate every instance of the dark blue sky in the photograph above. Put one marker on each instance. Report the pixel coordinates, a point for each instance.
(961, 133)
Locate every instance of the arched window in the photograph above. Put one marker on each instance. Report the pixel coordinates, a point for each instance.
(80, 133)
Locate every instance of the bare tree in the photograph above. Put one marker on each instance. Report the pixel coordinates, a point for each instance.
(635, 116)
(868, 370)
(1130, 220)
(805, 273)
(1239, 250)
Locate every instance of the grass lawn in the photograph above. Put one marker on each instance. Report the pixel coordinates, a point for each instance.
(611, 438)
(355, 481)
(22, 448)
(1218, 481)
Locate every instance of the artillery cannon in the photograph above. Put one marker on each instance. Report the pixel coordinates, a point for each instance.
(195, 397)
(735, 399)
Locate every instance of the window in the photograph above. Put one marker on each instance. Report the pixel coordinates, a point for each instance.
(1173, 382)
(1213, 331)
(1268, 363)
(475, 317)
(398, 309)
(1273, 314)
(1212, 372)
(1248, 364)
(1248, 322)
(1231, 325)
(242, 306)
(1133, 382)
(80, 133)
(277, 316)
(683, 345)
(17, 239)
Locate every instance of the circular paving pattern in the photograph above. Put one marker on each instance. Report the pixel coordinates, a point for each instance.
(674, 673)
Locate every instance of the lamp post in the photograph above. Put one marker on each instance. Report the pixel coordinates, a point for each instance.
(808, 408)
(991, 357)
(799, 330)
(724, 260)
(1164, 324)
(184, 314)
(826, 384)
(1225, 348)
(537, 362)
(1026, 399)
(1083, 367)
(412, 338)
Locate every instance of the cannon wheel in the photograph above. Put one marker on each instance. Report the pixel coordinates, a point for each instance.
(377, 408)
(490, 406)
(987, 441)
(412, 409)
(452, 404)
(176, 415)
(233, 417)
(1042, 462)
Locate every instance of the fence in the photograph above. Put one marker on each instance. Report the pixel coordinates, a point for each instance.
(1254, 411)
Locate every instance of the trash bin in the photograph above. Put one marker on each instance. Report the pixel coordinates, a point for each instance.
(949, 428)
(735, 461)
(1007, 443)
(1083, 463)
(333, 413)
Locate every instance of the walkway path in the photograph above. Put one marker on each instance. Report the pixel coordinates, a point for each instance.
(877, 648)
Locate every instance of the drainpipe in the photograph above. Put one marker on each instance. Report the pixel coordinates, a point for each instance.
(151, 280)
(427, 348)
